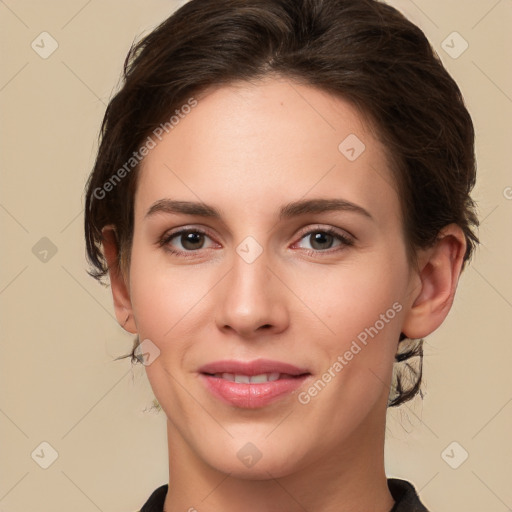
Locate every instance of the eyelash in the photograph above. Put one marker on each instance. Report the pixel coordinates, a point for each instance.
(345, 241)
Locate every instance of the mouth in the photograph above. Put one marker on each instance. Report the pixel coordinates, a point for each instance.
(254, 379)
(254, 368)
(253, 384)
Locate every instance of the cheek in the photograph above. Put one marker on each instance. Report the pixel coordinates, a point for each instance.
(362, 306)
(363, 311)
(167, 301)
(152, 301)
(350, 298)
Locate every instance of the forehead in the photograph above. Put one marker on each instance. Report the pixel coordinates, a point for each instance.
(264, 144)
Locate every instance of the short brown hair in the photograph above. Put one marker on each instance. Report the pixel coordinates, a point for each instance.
(363, 51)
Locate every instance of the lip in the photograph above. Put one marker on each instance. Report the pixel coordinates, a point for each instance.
(252, 395)
(255, 367)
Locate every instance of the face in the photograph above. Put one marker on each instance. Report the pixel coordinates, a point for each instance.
(296, 258)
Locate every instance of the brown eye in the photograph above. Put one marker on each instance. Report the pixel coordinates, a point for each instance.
(185, 242)
(192, 240)
(321, 240)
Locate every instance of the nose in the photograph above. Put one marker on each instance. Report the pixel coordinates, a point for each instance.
(254, 299)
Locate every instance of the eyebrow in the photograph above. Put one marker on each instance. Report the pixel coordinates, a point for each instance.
(293, 209)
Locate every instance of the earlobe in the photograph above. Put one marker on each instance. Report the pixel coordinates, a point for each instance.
(439, 275)
(120, 289)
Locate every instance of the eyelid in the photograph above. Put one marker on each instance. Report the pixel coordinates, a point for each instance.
(180, 229)
(344, 234)
(168, 235)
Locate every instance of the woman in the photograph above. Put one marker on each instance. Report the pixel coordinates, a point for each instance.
(281, 200)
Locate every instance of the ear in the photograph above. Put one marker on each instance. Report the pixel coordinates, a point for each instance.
(118, 282)
(440, 268)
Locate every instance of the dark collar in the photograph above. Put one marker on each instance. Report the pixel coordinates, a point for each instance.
(404, 494)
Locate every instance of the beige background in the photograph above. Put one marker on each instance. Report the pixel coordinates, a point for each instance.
(59, 383)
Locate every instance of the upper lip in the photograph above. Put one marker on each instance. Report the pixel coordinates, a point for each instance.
(255, 367)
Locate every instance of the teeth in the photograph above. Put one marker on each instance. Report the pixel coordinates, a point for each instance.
(265, 377)
(246, 379)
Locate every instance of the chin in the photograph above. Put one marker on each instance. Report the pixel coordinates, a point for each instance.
(262, 470)
(258, 460)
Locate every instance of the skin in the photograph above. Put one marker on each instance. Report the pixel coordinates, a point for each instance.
(248, 150)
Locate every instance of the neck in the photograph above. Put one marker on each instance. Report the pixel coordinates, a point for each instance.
(350, 477)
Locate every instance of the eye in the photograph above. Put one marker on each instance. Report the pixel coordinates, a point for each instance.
(323, 239)
(184, 241)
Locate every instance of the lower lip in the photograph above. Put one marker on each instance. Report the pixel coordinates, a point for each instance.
(251, 396)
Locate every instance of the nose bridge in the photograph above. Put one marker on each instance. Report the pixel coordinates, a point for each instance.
(251, 295)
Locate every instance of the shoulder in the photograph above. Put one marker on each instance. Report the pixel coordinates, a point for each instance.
(405, 496)
(155, 502)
